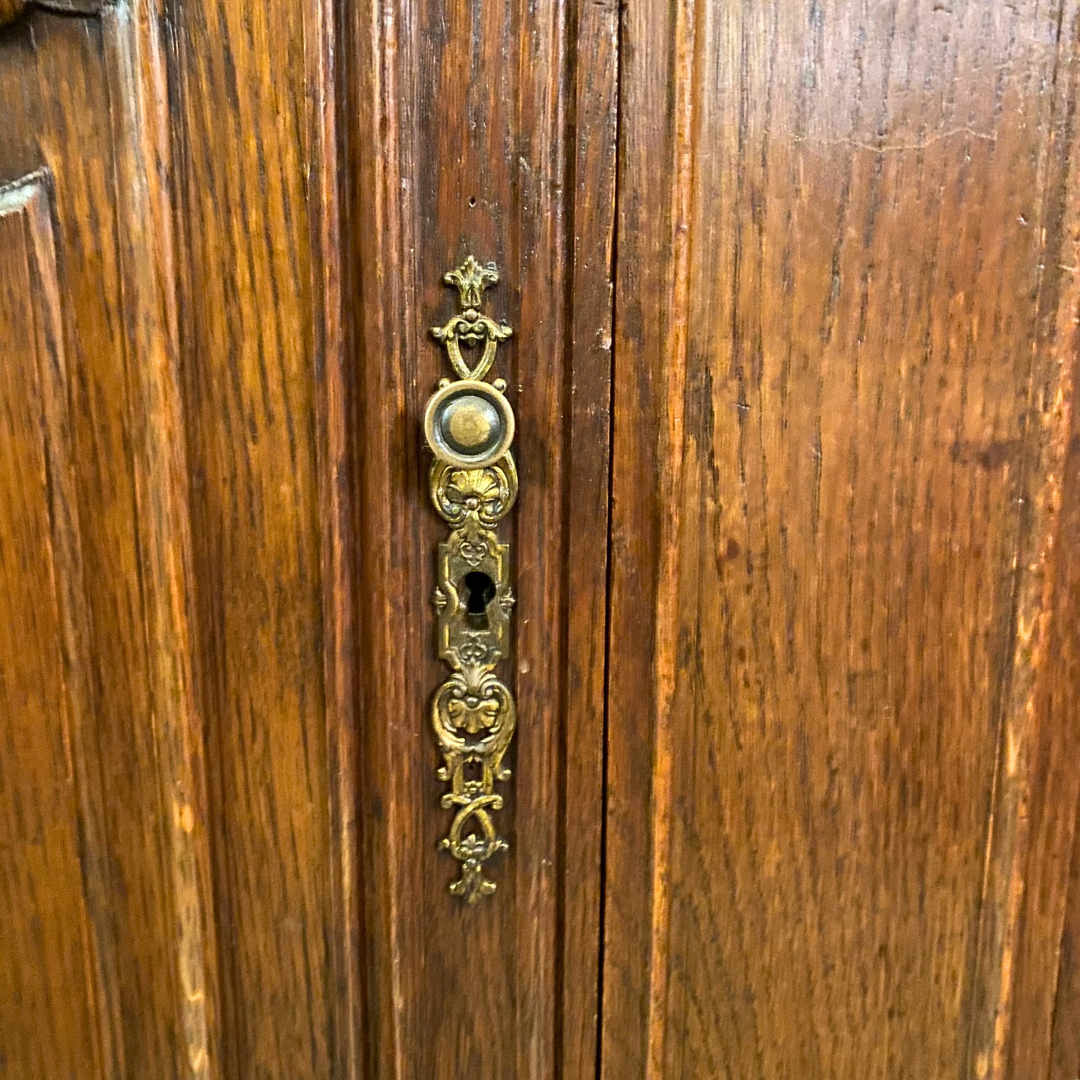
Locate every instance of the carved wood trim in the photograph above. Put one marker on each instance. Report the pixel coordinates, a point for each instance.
(335, 413)
(10, 10)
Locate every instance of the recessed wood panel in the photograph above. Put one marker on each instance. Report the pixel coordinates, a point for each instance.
(248, 317)
(83, 99)
(48, 1005)
(846, 276)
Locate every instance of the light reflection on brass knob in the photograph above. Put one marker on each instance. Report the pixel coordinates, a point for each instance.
(469, 424)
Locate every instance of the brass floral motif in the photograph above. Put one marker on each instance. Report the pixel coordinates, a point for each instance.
(473, 713)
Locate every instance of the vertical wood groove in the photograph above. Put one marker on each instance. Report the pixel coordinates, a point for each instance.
(593, 49)
(670, 450)
(338, 551)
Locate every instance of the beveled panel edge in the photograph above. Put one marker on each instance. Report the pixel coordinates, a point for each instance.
(142, 134)
(10, 10)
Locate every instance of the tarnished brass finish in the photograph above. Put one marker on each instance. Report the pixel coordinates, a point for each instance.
(468, 423)
(469, 426)
(471, 423)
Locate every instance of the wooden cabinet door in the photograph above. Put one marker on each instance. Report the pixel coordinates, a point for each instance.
(842, 727)
(226, 225)
(793, 290)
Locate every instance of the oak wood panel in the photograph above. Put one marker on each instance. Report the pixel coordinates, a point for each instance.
(249, 305)
(48, 967)
(1065, 1046)
(261, 339)
(1062, 692)
(340, 552)
(83, 102)
(845, 310)
(485, 128)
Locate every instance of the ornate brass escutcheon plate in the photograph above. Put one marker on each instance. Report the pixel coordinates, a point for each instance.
(469, 426)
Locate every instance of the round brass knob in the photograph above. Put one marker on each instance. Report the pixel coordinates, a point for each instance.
(469, 424)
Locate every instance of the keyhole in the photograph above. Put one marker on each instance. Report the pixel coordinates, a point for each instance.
(479, 592)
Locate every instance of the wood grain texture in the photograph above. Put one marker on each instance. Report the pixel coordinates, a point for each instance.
(1062, 689)
(143, 134)
(845, 308)
(48, 1011)
(84, 103)
(587, 435)
(249, 305)
(10, 10)
(843, 485)
(1041, 726)
(484, 128)
(1065, 1045)
(340, 554)
(234, 596)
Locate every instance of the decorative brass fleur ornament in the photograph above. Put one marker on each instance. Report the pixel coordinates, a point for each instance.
(471, 279)
(469, 326)
(469, 426)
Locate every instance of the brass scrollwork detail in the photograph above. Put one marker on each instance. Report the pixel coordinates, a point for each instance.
(469, 426)
(469, 326)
